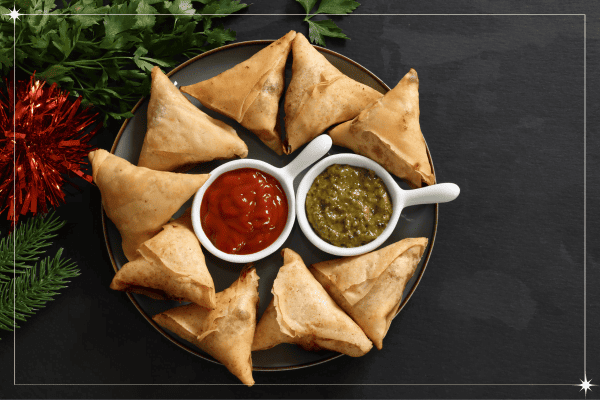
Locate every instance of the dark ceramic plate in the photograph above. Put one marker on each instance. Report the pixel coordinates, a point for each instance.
(416, 221)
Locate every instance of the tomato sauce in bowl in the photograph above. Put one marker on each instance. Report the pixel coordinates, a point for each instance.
(243, 211)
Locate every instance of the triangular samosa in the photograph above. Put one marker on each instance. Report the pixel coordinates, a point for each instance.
(369, 287)
(389, 133)
(171, 266)
(179, 134)
(319, 96)
(249, 92)
(226, 332)
(138, 200)
(302, 312)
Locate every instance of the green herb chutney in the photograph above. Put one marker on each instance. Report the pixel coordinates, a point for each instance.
(348, 206)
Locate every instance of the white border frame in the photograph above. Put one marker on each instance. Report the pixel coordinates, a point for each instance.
(584, 383)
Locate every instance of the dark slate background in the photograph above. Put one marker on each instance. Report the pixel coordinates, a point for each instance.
(502, 301)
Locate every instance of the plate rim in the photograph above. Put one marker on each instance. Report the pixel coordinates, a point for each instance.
(105, 230)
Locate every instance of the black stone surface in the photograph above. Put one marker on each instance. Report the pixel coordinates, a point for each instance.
(509, 109)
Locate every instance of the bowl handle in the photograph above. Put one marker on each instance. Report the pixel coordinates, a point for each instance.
(316, 149)
(440, 193)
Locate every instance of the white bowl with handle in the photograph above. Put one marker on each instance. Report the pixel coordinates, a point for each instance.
(438, 193)
(316, 149)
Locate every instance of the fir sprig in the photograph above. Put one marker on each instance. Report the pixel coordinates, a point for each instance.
(26, 244)
(29, 285)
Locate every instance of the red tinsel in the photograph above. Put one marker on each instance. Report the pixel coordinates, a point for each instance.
(45, 141)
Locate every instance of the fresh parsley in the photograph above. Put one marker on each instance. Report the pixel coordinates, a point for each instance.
(106, 56)
(318, 29)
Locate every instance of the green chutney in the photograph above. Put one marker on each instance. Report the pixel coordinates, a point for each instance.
(348, 206)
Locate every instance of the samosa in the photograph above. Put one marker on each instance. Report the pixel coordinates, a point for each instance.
(319, 96)
(302, 312)
(171, 266)
(226, 332)
(138, 200)
(369, 287)
(180, 135)
(389, 133)
(249, 92)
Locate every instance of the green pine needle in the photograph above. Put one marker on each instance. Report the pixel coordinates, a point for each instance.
(35, 284)
(31, 238)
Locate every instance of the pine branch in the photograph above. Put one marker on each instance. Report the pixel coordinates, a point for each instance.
(32, 289)
(31, 238)
(35, 283)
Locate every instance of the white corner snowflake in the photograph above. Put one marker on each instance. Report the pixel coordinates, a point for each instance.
(14, 14)
(585, 384)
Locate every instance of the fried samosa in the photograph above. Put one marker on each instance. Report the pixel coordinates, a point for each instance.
(226, 332)
(319, 96)
(138, 200)
(369, 287)
(171, 266)
(249, 92)
(389, 133)
(180, 135)
(302, 312)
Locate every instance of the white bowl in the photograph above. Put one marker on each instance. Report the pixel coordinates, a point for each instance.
(311, 153)
(439, 193)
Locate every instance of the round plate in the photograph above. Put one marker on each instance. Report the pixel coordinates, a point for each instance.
(416, 221)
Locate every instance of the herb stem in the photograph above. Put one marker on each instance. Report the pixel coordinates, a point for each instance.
(78, 63)
(78, 82)
(25, 70)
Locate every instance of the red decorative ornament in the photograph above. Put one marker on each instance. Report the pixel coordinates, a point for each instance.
(42, 139)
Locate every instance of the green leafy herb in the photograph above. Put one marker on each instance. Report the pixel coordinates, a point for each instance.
(25, 285)
(106, 58)
(317, 30)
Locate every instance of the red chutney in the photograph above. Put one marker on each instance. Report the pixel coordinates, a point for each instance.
(243, 211)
